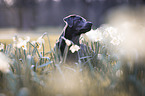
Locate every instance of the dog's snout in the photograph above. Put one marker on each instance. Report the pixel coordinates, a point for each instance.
(89, 23)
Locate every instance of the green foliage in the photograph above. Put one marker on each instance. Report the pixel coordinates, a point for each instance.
(36, 73)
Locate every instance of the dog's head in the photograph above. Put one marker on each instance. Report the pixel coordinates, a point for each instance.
(78, 23)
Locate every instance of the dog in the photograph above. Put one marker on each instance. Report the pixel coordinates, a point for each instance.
(75, 26)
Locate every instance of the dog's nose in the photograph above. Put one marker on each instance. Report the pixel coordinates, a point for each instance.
(89, 23)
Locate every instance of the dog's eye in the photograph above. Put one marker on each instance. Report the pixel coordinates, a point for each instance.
(79, 20)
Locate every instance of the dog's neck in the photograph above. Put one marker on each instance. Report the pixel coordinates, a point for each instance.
(71, 36)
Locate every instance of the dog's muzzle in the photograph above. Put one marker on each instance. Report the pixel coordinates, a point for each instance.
(86, 27)
(89, 24)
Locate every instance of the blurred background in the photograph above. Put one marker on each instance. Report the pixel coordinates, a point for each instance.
(31, 14)
(39, 16)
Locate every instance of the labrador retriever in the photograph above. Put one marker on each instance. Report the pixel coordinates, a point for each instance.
(75, 26)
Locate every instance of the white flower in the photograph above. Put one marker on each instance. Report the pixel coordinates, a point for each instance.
(1, 46)
(100, 56)
(15, 38)
(105, 34)
(119, 73)
(68, 42)
(115, 41)
(33, 42)
(94, 35)
(74, 48)
(91, 35)
(4, 65)
(27, 38)
(22, 44)
(39, 41)
(112, 31)
(99, 36)
(121, 37)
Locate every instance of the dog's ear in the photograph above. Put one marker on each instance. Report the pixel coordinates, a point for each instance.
(69, 20)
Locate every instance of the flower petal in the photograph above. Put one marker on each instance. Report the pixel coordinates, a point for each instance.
(68, 42)
(27, 38)
(1, 46)
(74, 48)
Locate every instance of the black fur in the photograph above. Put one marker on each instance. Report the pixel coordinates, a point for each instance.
(75, 26)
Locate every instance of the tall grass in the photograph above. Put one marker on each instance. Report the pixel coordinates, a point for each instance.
(37, 72)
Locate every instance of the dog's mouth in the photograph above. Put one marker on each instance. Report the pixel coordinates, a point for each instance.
(86, 28)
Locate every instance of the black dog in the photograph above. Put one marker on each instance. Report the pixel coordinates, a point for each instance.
(75, 26)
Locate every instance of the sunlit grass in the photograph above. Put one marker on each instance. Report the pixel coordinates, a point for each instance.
(53, 39)
(40, 68)
(36, 69)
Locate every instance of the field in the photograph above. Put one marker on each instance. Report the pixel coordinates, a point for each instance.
(7, 34)
(30, 67)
